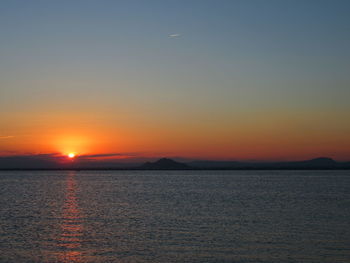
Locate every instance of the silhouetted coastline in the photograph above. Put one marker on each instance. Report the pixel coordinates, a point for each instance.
(323, 163)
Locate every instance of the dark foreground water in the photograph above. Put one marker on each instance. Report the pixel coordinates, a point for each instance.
(178, 216)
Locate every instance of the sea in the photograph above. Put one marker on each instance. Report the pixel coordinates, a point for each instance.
(175, 216)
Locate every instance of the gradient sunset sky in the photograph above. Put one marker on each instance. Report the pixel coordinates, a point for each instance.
(246, 80)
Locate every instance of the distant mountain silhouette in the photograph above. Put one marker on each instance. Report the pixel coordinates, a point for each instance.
(164, 164)
(55, 162)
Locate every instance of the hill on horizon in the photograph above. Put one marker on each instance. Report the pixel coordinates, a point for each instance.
(49, 162)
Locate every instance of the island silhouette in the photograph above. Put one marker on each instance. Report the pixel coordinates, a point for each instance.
(49, 162)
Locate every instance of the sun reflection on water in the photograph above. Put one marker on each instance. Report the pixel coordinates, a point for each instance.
(69, 242)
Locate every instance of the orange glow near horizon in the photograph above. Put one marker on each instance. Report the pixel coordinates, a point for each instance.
(69, 145)
(268, 139)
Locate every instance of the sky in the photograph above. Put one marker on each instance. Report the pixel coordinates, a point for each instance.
(226, 80)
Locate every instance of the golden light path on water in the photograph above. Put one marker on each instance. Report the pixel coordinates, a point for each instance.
(69, 241)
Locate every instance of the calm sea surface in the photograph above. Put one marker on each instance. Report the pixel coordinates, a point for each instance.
(176, 216)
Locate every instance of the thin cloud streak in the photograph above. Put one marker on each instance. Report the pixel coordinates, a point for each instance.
(7, 137)
(174, 35)
(108, 155)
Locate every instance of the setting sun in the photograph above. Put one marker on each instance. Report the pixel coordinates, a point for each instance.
(71, 155)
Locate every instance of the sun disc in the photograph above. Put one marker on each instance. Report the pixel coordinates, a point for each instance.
(71, 155)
